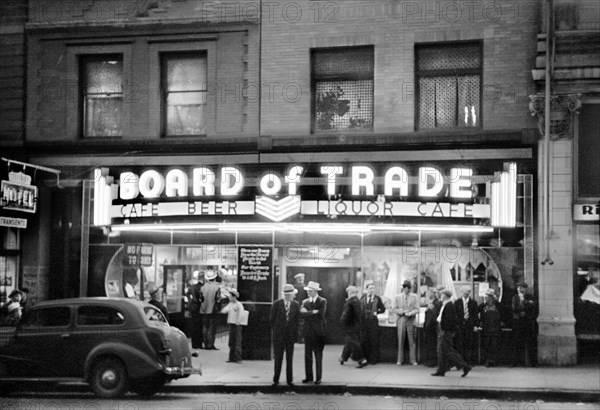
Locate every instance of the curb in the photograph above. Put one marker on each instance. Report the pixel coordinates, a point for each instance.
(587, 396)
(409, 391)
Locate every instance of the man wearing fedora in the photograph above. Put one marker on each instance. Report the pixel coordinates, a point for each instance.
(372, 306)
(406, 306)
(447, 354)
(490, 318)
(211, 295)
(351, 321)
(285, 317)
(153, 290)
(524, 327)
(313, 311)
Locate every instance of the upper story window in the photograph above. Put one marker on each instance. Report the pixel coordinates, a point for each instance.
(184, 94)
(342, 83)
(449, 85)
(102, 95)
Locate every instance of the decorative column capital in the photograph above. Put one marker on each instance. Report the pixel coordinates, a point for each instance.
(563, 110)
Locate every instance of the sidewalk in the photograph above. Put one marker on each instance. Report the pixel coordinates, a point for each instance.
(580, 383)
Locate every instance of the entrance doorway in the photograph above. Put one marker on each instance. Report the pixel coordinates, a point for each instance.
(333, 282)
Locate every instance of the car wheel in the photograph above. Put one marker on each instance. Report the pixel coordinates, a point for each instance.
(149, 386)
(109, 378)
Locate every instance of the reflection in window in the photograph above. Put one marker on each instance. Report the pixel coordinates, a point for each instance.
(154, 315)
(343, 88)
(102, 95)
(98, 316)
(48, 317)
(449, 85)
(184, 94)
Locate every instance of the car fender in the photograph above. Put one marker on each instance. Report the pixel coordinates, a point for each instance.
(138, 363)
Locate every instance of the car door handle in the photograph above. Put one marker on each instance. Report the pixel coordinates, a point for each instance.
(65, 335)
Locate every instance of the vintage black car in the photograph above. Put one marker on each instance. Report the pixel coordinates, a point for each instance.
(116, 345)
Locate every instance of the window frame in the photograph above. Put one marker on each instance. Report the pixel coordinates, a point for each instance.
(339, 78)
(73, 125)
(163, 58)
(22, 325)
(448, 73)
(578, 197)
(158, 46)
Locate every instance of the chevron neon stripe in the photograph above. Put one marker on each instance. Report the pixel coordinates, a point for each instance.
(278, 210)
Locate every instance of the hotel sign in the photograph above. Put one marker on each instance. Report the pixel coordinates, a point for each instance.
(353, 190)
(17, 194)
(586, 212)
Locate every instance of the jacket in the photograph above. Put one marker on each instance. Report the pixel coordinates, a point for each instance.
(448, 320)
(370, 309)
(460, 313)
(211, 293)
(285, 330)
(314, 323)
(352, 315)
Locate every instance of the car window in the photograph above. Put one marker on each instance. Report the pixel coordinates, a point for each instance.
(99, 316)
(154, 315)
(58, 316)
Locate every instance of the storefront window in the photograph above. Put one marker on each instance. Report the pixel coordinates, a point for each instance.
(587, 285)
(9, 260)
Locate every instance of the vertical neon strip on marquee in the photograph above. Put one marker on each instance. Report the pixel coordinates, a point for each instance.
(504, 197)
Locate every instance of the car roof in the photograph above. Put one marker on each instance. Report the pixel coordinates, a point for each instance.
(109, 301)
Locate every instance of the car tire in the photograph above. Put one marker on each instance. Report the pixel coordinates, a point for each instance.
(149, 386)
(109, 378)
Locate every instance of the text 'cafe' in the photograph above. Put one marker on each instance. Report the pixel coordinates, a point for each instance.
(338, 224)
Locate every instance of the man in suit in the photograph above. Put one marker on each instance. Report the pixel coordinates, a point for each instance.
(194, 297)
(313, 311)
(351, 321)
(524, 327)
(372, 306)
(285, 317)
(430, 329)
(467, 316)
(406, 306)
(447, 355)
(211, 295)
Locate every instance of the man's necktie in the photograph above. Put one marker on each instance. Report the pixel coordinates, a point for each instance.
(466, 306)
(287, 311)
(370, 300)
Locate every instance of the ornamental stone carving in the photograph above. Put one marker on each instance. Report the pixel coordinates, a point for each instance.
(563, 111)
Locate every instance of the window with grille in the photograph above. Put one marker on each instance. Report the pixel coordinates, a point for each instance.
(102, 95)
(342, 81)
(449, 85)
(184, 94)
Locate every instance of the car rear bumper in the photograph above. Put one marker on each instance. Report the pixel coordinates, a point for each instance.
(180, 371)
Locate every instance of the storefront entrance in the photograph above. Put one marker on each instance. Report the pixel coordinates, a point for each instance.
(333, 281)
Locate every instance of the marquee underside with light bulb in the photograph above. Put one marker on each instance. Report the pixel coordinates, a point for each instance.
(345, 197)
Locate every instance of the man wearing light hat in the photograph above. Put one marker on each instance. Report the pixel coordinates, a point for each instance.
(300, 285)
(284, 318)
(10, 313)
(233, 310)
(154, 299)
(490, 317)
(313, 311)
(211, 294)
(351, 321)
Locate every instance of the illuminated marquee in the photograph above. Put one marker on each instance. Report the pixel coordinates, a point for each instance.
(212, 192)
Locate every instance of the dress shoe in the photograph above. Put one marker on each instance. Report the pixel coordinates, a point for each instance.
(438, 374)
(415, 363)
(362, 364)
(466, 371)
(306, 381)
(317, 381)
(398, 364)
(290, 384)
(275, 384)
(341, 360)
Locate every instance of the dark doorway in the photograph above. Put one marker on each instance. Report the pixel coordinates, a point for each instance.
(333, 281)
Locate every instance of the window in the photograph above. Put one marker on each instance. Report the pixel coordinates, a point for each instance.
(449, 85)
(342, 82)
(99, 315)
(588, 146)
(47, 317)
(102, 95)
(154, 315)
(184, 94)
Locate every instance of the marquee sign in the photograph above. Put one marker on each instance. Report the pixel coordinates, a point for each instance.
(353, 190)
(17, 194)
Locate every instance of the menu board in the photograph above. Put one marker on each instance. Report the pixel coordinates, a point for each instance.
(255, 273)
(138, 254)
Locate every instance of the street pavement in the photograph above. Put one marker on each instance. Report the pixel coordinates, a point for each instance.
(578, 383)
